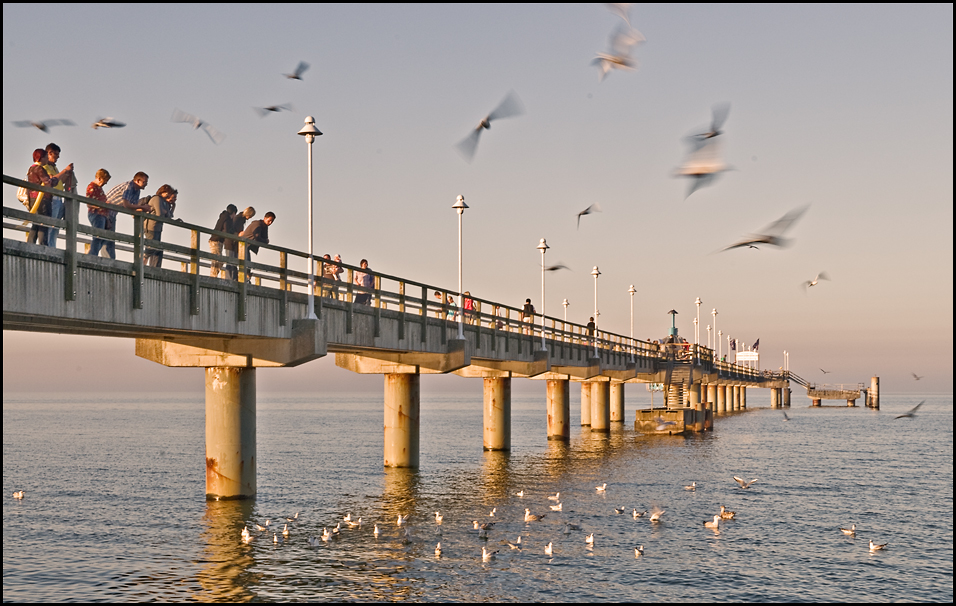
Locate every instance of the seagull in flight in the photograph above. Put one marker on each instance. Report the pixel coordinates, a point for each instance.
(772, 235)
(826, 372)
(916, 376)
(181, 116)
(594, 208)
(509, 107)
(299, 70)
(556, 267)
(820, 276)
(622, 40)
(743, 483)
(912, 413)
(663, 424)
(656, 514)
(44, 125)
(265, 111)
(785, 416)
(720, 113)
(108, 123)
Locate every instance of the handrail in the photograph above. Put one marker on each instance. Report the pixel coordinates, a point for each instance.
(408, 296)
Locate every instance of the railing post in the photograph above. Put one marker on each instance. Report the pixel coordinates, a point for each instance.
(283, 287)
(194, 273)
(377, 285)
(72, 218)
(401, 311)
(424, 312)
(241, 263)
(138, 261)
(350, 304)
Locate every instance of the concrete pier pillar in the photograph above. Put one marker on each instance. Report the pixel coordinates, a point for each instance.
(559, 409)
(851, 403)
(695, 396)
(712, 396)
(402, 404)
(497, 398)
(874, 393)
(736, 389)
(585, 403)
(721, 399)
(774, 398)
(786, 396)
(617, 402)
(230, 433)
(816, 402)
(601, 406)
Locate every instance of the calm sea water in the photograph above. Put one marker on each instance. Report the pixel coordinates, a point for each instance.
(115, 508)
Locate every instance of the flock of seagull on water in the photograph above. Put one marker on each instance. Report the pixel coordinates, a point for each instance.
(483, 530)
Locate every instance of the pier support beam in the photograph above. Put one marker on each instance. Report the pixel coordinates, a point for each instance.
(695, 396)
(230, 433)
(712, 396)
(815, 402)
(774, 398)
(402, 405)
(786, 396)
(585, 403)
(721, 399)
(559, 409)
(601, 406)
(617, 402)
(736, 391)
(874, 393)
(851, 403)
(497, 396)
(743, 398)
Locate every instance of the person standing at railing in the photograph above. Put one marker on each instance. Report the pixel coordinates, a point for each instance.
(590, 330)
(527, 313)
(66, 182)
(363, 280)
(231, 247)
(224, 224)
(39, 202)
(126, 195)
(330, 277)
(97, 215)
(160, 205)
(258, 231)
(470, 308)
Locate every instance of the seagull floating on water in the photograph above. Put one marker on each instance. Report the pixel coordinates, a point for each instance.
(347, 517)
(619, 510)
(876, 547)
(487, 556)
(376, 531)
(556, 497)
(715, 525)
(275, 538)
(786, 417)
(656, 514)
(493, 511)
(438, 549)
(850, 532)
(18, 494)
(912, 413)
(601, 488)
(519, 494)
(641, 514)
(533, 517)
(693, 486)
(438, 518)
(285, 530)
(726, 515)
(293, 518)
(407, 537)
(356, 524)
(246, 537)
(402, 519)
(549, 549)
(589, 540)
(516, 544)
(743, 483)
(260, 528)
(557, 507)
(639, 551)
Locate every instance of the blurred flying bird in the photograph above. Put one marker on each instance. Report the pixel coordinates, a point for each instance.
(509, 107)
(656, 514)
(785, 417)
(663, 424)
(265, 111)
(720, 113)
(181, 116)
(622, 40)
(820, 276)
(703, 164)
(108, 123)
(743, 483)
(772, 235)
(299, 70)
(912, 413)
(556, 267)
(826, 372)
(621, 9)
(916, 376)
(594, 208)
(45, 125)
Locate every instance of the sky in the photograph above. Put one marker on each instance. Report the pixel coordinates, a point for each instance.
(847, 109)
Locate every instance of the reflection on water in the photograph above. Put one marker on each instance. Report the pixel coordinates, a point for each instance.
(824, 469)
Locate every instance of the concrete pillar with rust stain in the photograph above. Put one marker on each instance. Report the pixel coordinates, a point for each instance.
(815, 402)
(402, 405)
(230, 433)
(601, 406)
(721, 398)
(774, 398)
(497, 395)
(559, 409)
(617, 402)
(873, 396)
(786, 396)
(585, 403)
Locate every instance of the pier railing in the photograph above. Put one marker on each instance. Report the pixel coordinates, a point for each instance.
(183, 246)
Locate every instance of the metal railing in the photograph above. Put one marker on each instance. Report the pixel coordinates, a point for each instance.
(835, 387)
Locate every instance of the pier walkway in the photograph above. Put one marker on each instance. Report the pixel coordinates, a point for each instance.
(399, 328)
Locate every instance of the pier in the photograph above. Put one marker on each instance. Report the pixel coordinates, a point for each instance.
(181, 317)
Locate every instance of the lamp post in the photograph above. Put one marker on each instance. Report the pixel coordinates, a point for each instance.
(720, 333)
(632, 290)
(543, 247)
(728, 346)
(460, 206)
(596, 272)
(696, 332)
(708, 336)
(714, 313)
(565, 303)
(697, 323)
(310, 132)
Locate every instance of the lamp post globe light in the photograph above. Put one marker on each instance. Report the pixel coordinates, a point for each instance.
(460, 206)
(596, 272)
(310, 132)
(543, 247)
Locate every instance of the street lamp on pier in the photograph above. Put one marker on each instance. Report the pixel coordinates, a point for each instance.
(697, 323)
(596, 272)
(310, 132)
(543, 247)
(632, 290)
(460, 206)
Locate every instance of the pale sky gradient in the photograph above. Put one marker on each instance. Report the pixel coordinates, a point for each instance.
(846, 108)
